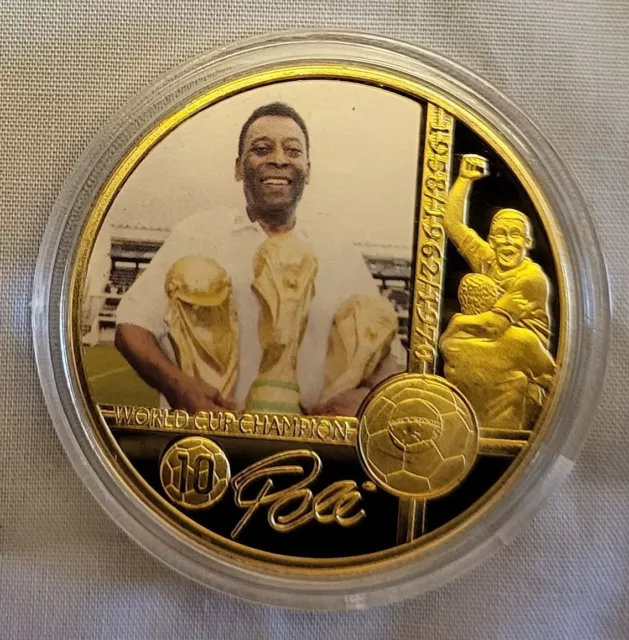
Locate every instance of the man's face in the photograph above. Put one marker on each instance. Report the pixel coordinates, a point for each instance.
(509, 239)
(274, 167)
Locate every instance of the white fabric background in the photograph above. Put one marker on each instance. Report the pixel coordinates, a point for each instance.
(66, 570)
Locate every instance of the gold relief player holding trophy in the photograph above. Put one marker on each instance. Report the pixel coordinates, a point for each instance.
(496, 350)
(286, 283)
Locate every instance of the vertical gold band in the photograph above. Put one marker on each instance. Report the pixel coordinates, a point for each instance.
(429, 274)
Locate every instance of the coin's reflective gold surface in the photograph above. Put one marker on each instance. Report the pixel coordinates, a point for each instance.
(317, 318)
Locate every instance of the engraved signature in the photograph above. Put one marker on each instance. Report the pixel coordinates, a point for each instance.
(294, 506)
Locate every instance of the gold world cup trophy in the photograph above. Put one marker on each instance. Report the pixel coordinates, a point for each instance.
(284, 282)
(360, 339)
(202, 321)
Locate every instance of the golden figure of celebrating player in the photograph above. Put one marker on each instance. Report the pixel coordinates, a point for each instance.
(496, 351)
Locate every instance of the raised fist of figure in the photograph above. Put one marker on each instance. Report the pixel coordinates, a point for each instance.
(473, 167)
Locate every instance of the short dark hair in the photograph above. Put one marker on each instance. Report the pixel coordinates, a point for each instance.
(273, 109)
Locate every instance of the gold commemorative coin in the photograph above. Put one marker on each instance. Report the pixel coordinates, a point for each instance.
(320, 319)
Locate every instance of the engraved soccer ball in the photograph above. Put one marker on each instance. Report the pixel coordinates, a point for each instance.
(418, 437)
(194, 473)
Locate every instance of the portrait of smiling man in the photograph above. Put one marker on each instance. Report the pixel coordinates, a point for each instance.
(273, 165)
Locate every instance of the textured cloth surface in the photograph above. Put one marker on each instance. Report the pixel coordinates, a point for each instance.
(66, 570)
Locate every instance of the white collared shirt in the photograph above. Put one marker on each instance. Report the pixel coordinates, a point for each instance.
(233, 242)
